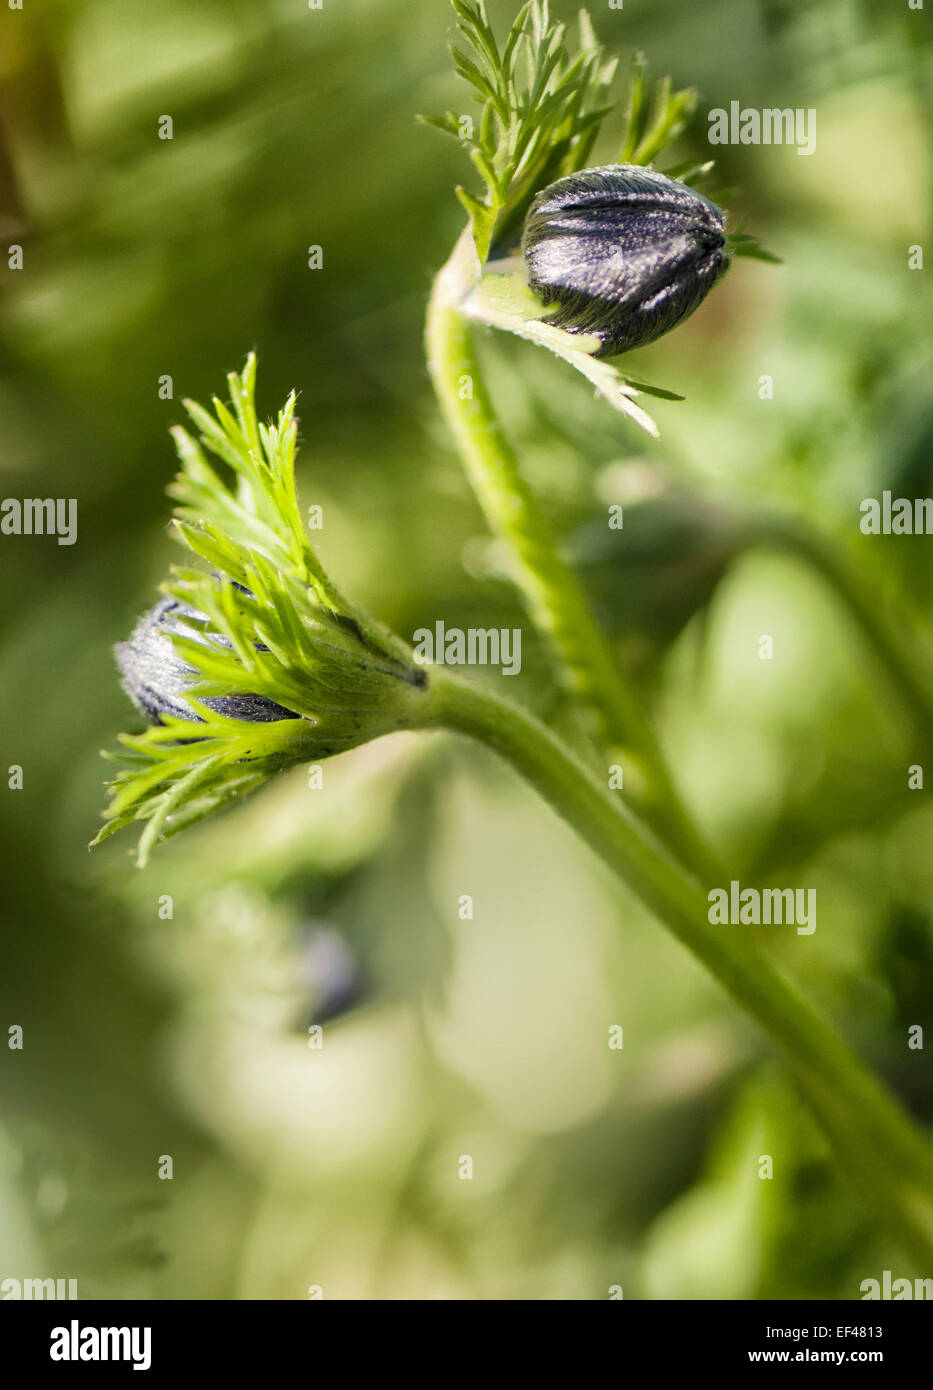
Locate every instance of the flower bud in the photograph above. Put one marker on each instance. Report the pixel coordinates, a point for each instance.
(625, 252)
(156, 678)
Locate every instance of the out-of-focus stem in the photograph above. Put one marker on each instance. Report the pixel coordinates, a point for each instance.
(863, 604)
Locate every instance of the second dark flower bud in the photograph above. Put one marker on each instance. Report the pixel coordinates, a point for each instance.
(624, 252)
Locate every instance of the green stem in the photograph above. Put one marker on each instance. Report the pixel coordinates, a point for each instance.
(878, 1145)
(860, 599)
(556, 604)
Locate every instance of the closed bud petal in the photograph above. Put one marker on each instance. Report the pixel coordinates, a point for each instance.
(624, 252)
(156, 678)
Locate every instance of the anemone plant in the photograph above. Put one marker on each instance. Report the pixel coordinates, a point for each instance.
(256, 661)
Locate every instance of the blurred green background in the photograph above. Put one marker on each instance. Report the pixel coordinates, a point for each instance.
(187, 1037)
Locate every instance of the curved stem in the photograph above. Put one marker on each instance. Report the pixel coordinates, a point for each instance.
(861, 601)
(878, 1145)
(555, 602)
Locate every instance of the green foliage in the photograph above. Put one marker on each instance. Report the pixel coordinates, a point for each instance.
(543, 107)
(655, 117)
(743, 244)
(276, 627)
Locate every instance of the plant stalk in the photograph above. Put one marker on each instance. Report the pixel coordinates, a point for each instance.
(584, 663)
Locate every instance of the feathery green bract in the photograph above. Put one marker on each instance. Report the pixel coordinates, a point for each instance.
(543, 105)
(654, 116)
(286, 634)
(541, 111)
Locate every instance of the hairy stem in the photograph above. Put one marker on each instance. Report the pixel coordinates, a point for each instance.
(879, 1147)
(554, 600)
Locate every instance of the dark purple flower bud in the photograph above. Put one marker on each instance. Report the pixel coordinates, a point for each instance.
(625, 252)
(156, 678)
